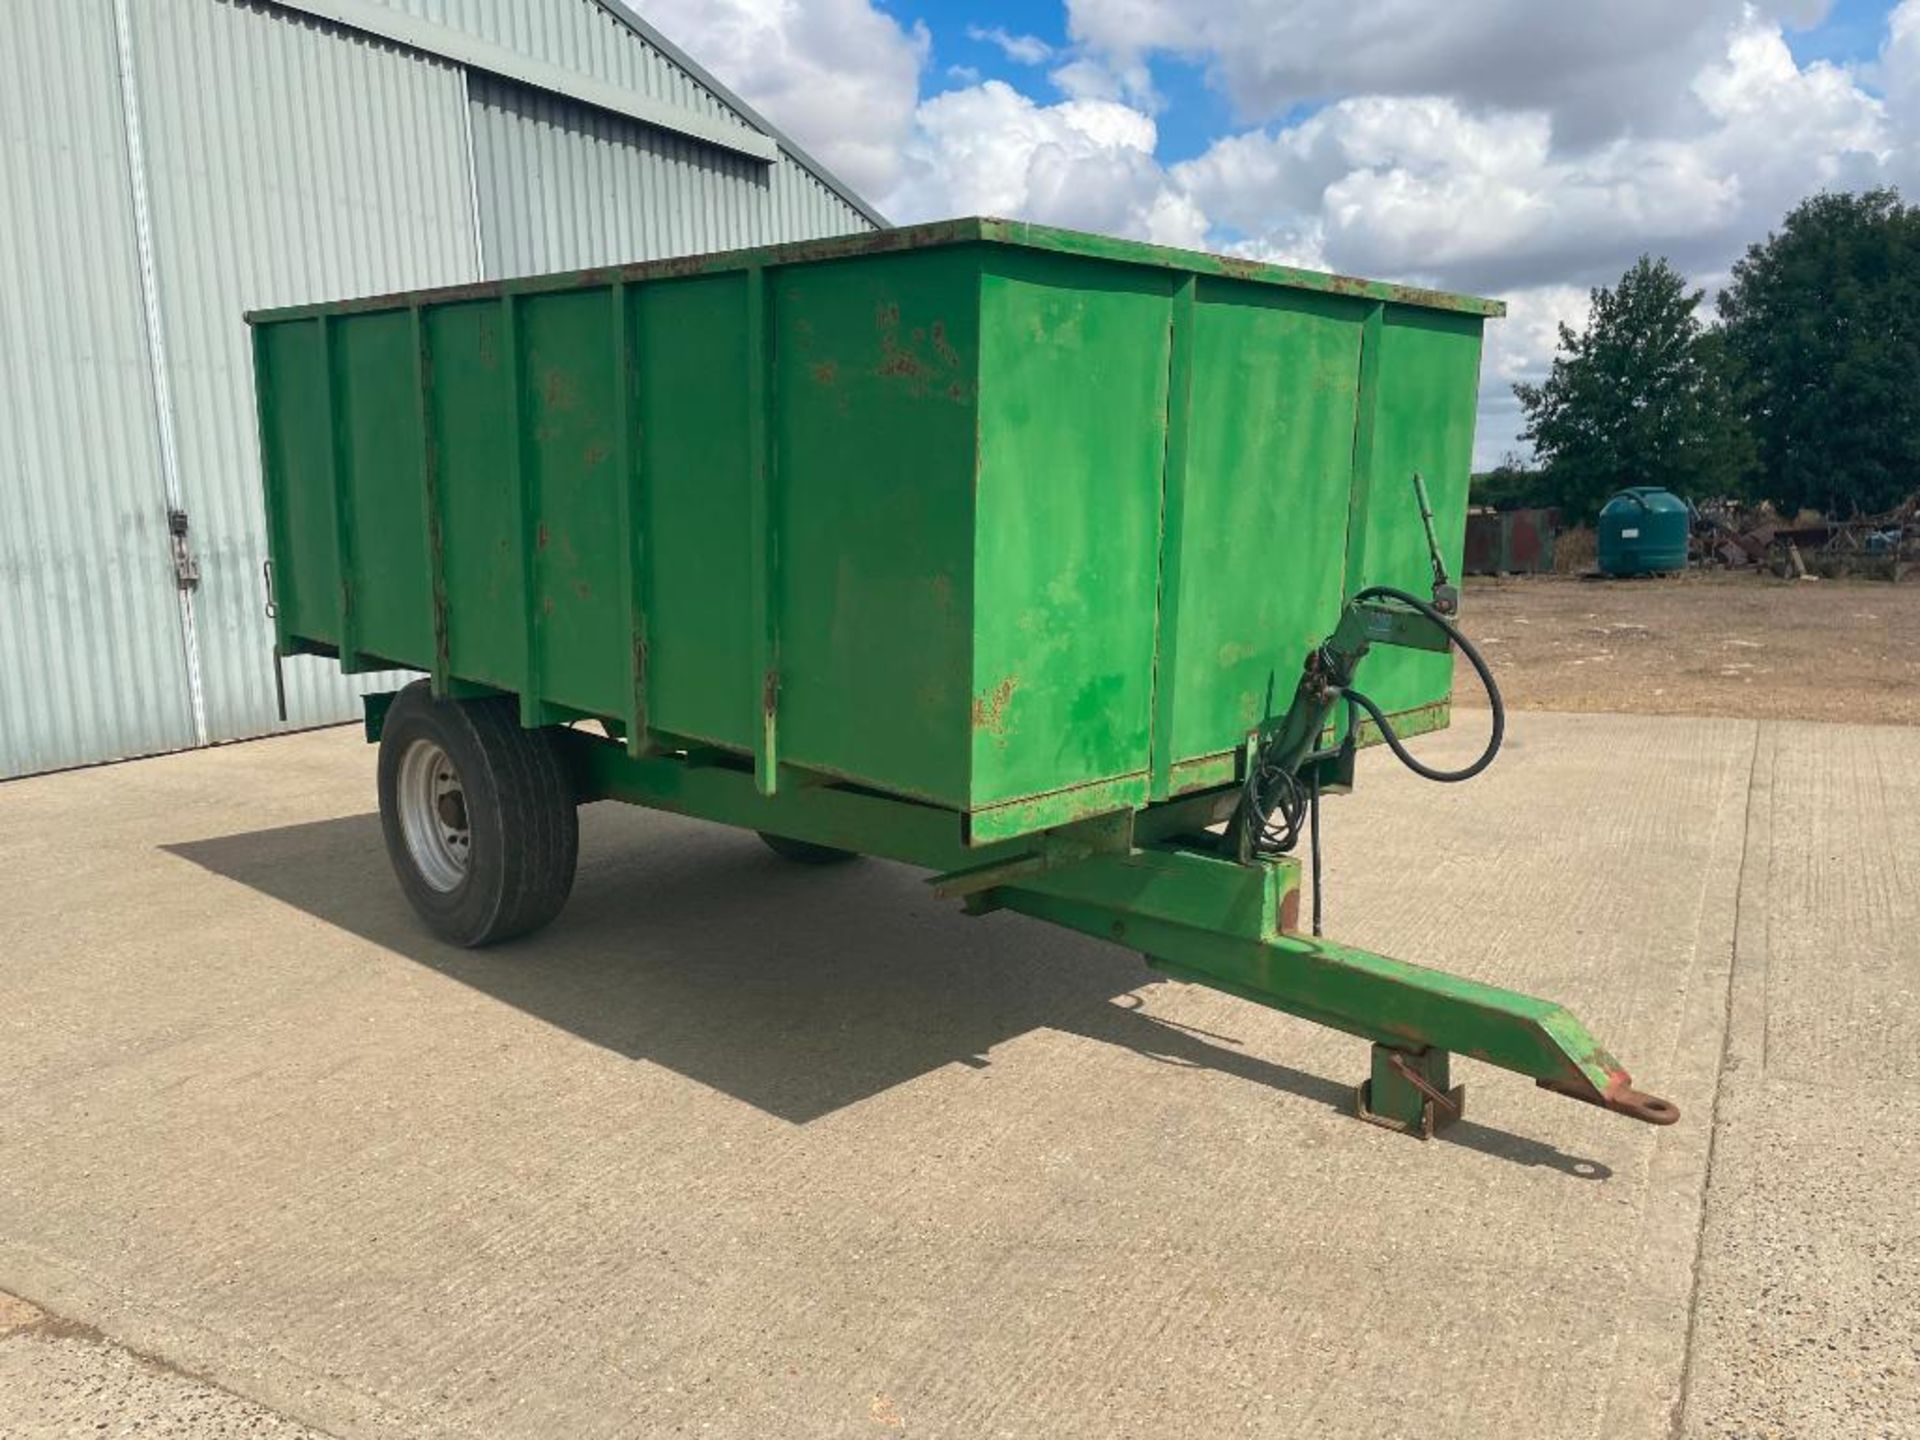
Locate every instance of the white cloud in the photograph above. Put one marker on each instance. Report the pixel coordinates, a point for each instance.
(991, 150)
(1518, 348)
(1898, 74)
(1021, 49)
(1598, 68)
(1085, 78)
(1423, 187)
(842, 77)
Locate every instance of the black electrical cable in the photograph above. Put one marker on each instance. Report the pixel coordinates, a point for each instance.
(1487, 682)
(1313, 805)
(1271, 791)
(1278, 806)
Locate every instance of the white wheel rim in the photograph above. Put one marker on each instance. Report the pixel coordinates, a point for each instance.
(433, 815)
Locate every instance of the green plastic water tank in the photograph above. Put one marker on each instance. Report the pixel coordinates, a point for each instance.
(1643, 531)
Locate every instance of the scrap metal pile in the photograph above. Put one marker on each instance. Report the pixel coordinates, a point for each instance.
(1882, 547)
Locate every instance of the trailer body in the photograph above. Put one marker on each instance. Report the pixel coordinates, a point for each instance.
(1020, 523)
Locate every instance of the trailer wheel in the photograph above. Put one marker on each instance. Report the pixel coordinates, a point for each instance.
(479, 816)
(805, 852)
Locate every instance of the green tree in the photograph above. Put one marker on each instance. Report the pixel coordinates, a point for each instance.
(1822, 326)
(1510, 485)
(1639, 397)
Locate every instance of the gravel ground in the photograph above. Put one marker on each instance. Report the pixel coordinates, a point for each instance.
(1726, 644)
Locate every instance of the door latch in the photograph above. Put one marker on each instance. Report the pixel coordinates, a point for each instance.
(186, 569)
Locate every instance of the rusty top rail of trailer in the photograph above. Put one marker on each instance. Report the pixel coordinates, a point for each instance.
(913, 237)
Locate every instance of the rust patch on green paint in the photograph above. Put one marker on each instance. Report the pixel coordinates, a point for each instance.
(910, 362)
(825, 372)
(595, 455)
(942, 347)
(541, 537)
(990, 709)
(902, 364)
(557, 390)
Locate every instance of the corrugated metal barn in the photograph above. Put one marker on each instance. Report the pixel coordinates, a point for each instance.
(170, 164)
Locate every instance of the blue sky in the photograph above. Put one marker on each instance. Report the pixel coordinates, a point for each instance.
(1525, 149)
(1194, 113)
(1850, 32)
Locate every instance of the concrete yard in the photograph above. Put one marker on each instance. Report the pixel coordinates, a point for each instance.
(739, 1148)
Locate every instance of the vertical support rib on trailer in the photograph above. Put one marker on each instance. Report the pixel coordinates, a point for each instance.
(1365, 421)
(342, 472)
(532, 712)
(1366, 418)
(272, 489)
(635, 556)
(763, 529)
(1173, 507)
(430, 500)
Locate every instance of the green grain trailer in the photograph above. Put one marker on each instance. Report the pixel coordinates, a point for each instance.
(1025, 556)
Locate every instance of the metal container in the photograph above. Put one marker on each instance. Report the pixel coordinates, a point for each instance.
(1021, 523)
(1643, 531)
(1511, 542)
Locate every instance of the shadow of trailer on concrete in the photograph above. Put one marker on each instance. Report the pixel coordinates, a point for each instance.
(805, 999)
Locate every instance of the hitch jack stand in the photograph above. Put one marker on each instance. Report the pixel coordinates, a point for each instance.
(1409, 1091)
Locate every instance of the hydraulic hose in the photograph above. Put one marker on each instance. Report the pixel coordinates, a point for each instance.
(1487, 682)
(1276, 805)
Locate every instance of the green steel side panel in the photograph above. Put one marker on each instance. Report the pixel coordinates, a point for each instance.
(468, 418)
(1264, 514)
(377, 399)
(1073, 434)
(691, 342)
(1428, 382)
(299, 468)
(568, 406)
(874, 403)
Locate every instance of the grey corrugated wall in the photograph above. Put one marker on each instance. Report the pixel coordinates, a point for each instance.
(281, 159)
(91, 658)
(562, 186)
(289, 161)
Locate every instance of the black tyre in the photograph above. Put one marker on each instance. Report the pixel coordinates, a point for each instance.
(805, 852)
(479, 816)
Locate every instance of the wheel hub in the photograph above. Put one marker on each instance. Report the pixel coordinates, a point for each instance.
(433, 815)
